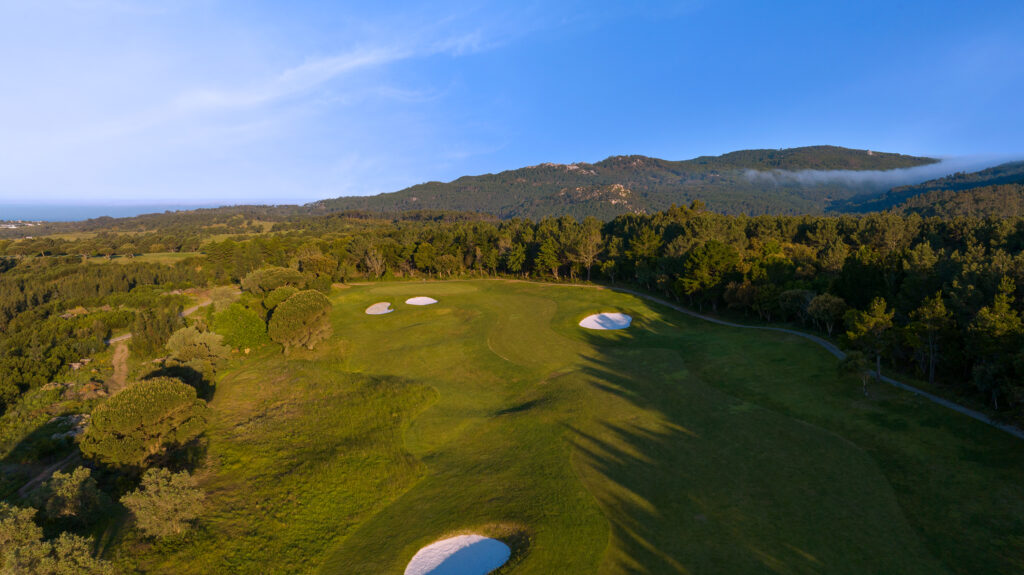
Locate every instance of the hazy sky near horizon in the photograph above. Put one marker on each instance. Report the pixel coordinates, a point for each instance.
(208, 101)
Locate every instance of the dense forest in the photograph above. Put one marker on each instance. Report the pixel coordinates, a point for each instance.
(1003, 201)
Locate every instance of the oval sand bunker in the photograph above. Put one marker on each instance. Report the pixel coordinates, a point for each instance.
(380, 308)
(420, 300)
(462, 555)
(609, 320)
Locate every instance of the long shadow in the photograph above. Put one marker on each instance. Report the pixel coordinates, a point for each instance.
(197, 379)
(632, 462)
(702, 482)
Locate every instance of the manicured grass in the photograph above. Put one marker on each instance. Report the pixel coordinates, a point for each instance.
(676, 446)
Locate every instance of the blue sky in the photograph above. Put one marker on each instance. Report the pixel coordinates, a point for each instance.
(206, 101)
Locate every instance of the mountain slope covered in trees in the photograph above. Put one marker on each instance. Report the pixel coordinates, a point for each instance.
(1003, 201)
(735, 183)
(1003, 174)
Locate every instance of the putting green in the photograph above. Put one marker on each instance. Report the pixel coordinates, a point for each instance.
(676, 446)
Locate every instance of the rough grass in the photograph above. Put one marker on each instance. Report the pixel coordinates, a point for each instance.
(676, 446)
(168, 258)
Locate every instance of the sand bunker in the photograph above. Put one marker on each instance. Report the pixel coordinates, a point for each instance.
(462, 555)
(608, 320)
(420, 300)
(380, 308)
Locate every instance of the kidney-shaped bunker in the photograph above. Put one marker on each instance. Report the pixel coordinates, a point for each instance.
(379, 308)
(461, 555)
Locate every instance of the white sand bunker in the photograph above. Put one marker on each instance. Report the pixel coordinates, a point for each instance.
(462, 555)
(379, 308)
(608, 320)
(420, 300)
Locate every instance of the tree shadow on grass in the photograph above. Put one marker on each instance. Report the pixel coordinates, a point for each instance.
(697, 481)
(197, 379)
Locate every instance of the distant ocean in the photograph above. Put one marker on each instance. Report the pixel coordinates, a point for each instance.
(71, 213)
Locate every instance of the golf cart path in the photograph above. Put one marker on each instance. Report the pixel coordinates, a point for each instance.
(834, 350)
(824, 343)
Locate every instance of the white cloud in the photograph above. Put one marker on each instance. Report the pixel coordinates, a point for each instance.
(293, 81)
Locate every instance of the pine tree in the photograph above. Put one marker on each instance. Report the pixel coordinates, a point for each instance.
(868, 330)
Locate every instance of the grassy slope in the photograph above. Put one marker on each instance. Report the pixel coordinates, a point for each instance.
(674, 447)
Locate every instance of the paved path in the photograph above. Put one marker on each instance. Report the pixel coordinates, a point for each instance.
(829, 347)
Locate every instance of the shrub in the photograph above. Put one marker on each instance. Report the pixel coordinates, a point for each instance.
(166, 503)
(70, 496)
(23, 550)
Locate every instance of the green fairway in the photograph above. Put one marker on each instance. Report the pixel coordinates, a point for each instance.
(675, 446)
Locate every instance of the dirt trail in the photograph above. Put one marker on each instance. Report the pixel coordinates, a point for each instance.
(46, 473)
(117, 381)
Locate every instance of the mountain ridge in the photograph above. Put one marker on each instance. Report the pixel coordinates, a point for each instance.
(636, 183)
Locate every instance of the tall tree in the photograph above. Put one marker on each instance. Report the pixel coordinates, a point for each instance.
(869, 329)
(856, 363)
(827, 309)
(995, 337)
(927, 323)
(589, 243)
(547, 257)
(705, 270)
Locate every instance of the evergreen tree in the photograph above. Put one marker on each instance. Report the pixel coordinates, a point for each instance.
(869, 329)
(301, 320)
(145, 419)
(995, 337)
(927, 323)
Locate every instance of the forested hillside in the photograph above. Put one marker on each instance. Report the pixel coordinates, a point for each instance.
(1009, 173)
(746, 182)
(637, 184)
(1005, 201)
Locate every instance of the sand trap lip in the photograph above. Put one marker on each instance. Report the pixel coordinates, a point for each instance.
(461, 555)
(606, 320)
(421, 300)
(379, 308)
